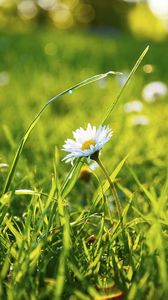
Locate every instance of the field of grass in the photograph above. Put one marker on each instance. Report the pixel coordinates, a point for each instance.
(62, 238)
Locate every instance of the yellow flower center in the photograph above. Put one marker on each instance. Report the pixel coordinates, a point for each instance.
(86, 145)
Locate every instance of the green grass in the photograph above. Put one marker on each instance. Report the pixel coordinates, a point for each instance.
(66, 243)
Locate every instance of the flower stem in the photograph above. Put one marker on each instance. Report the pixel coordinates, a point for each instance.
(114, 192)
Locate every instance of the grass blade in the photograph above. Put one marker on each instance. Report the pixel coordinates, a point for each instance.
(37, 117)
(98, 194)
(71, 178)
(135, 67)
(61, 272)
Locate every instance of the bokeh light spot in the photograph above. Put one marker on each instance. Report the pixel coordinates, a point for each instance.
(148, 68)
(50, 49)
(47, 4)
(61, 16)
(27, 9)
(4, 78)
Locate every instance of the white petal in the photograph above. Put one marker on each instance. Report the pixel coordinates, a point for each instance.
(101, 135)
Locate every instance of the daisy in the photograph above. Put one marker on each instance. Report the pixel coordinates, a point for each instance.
(140, 120)
(87, 142)
(154, 90)
(133, 106)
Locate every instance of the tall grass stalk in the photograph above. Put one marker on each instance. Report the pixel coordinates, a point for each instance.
(68, 184)
(36, 119)
(135, 67)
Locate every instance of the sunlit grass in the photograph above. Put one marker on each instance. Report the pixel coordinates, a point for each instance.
(60, 234)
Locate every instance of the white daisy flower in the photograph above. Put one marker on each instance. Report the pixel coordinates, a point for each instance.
(140, 120)
(133, 106)
(87, 142)
(154, 90)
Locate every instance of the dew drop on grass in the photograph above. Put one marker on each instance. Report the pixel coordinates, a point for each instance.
(24, 215)
(16, 218)
(70, 92)
(11, 268)
(58, 248)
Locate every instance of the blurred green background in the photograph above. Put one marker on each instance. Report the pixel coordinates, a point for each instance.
(144, 18)
(46, 47)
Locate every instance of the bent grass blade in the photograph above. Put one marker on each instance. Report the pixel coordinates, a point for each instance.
(78, 85)
(37, 117)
